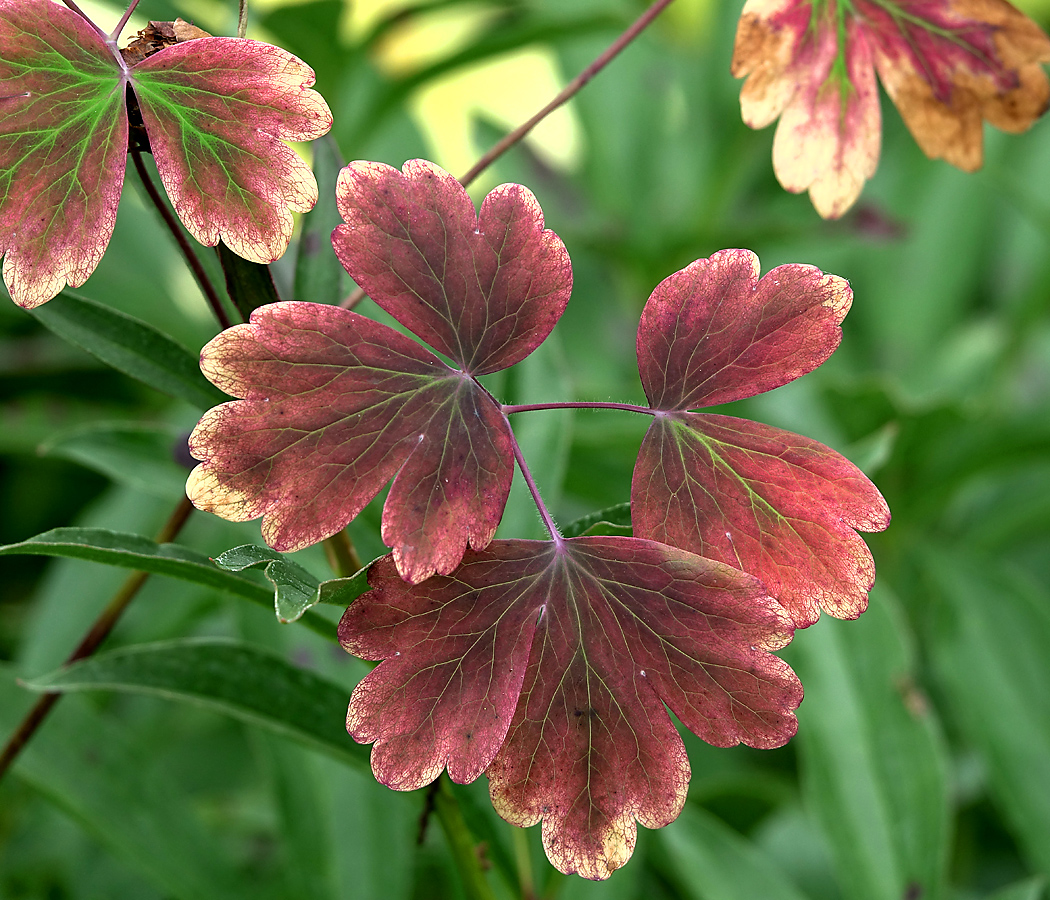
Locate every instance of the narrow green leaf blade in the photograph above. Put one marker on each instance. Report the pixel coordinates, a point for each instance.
(140, 456)
(991, 658)
(611, 520)
(709, 861)
(133, 551)
(873, 764)
(87, 766)
(130, 346)
(239, 680)
(319, 276)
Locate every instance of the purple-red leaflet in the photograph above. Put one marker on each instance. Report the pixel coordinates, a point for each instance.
(333, 406)
(483, 288)
(63, 142)
(216, 111)
(774, 504)
(548, 665)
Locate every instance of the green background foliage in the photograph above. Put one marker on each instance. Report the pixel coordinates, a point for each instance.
(198, 767)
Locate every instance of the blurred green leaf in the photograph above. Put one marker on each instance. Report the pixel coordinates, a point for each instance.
(86, 766)
(612, 520)
(1029, 889)
(873, 767)
(133, 551)
(295, 589)
(710, 861)
(319, 276)
(130, 346)
(991, 656)
(140, 456)
(239, 680)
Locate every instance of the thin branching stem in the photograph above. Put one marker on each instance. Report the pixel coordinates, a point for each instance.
(578, 404)
(180, 238)
(91, 641)
(548, 519)
(341, 554)
(72, 5)
(573, 88)
(242, 18)
(123, 20)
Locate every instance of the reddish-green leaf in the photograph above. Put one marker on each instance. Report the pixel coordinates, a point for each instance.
(483, 288)
(549, 665)
(63, 141)
(772, 503)
(216, 111)
(335, 405)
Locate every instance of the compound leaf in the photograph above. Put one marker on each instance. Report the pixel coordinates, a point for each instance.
(483, 288)
(63, 142)
(548, 665)
(335, 405)
(772, 503)
(217, 111)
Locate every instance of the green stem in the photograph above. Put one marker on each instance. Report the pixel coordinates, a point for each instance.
(341, 554)
(524, 860)
(461, 842)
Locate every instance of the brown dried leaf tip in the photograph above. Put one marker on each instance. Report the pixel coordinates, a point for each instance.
(947, 65)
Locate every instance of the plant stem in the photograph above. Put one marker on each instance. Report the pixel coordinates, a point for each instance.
(98, 632)
(548, 520)
(184, 245)
(242, 18)
(123, 20)
(461, 842)
(578, 404)
(341, 554)
(573, 88)
(521, 856)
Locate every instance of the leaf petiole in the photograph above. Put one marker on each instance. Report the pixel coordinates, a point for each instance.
(115, 34)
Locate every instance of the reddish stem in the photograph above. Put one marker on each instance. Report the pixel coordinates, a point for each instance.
(573, 88)
(578, 404)
(176, 229)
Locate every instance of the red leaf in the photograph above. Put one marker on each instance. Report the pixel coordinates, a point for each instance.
(60, 173)
(713, 332)
(333, 406)
(484, 289)
(217, 111)
(777, 505)
(550, 665)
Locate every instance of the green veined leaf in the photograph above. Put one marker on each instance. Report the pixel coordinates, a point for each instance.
(612, 520)
(239, 680)
(295, 589)
(133, 551)
(130, 346)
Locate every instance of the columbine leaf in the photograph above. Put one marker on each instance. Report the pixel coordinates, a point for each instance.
(483, 288)
(334, 406)
(216, 111)
(772, 503)
(548, 665)
(946, 66)
(63, 142)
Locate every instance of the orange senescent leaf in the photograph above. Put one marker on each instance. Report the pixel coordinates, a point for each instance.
(948, 65)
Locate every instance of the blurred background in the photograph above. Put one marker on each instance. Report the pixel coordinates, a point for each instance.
(922, 765)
